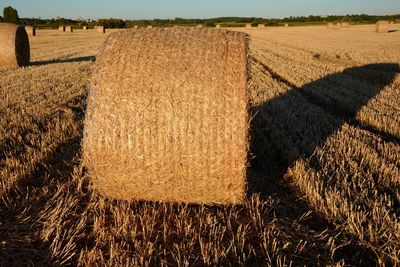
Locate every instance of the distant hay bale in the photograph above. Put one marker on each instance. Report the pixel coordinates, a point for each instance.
(136, 27)
(248, 26)
(101, 29)
(338, 25)
(14, 46)
(200, 26)
(382, 26)
(149, 27)
(61, 28)
(30, 30)
(69, 29)
(167, 117)
(331, 26)
(85, 28)
(286, 25)
(345, 24)
(392, 22)
(261, 26)
(218, 26)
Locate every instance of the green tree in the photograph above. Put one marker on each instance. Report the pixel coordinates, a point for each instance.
(10, 15)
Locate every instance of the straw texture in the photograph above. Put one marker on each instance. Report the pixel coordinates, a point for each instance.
(167, 116)
(382, 26)
(30, 30)
(14, 46)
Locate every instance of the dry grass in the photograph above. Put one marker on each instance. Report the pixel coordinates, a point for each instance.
(325, 138)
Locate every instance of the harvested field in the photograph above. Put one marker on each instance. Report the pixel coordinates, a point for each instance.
(324, 181)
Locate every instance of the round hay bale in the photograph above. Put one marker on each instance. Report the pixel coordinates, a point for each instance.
(136, 27)
(85, 28)
(331, 26)
(69, 29)
(61, 28)
(248, 26)
(218, 26)
(200, 26)
(286, 25)
(167, 116)
(14, 46)
(261, 26)
(382, 26)
(345, 24)
(149, 27)
(101, 29)
(30, 30)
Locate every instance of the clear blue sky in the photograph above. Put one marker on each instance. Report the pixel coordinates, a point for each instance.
(149, 9)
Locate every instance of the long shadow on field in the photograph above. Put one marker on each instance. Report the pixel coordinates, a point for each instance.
(20, 207)
(292, 125)
(295, 122)
(68, 60)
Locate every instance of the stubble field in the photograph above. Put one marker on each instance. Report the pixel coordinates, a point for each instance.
(324, 180)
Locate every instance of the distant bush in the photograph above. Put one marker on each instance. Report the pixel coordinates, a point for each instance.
(10, 15)
(112, 23)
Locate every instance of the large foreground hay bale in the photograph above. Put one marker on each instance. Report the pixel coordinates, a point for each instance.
(167, 117)
(382, 26)
(101, 29)
(61, 28)
(14, 46)
(69, 29)
(30, 30)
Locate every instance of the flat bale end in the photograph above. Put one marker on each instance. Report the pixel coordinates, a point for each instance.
(14, 46)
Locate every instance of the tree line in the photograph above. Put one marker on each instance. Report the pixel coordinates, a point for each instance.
(11, 15)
